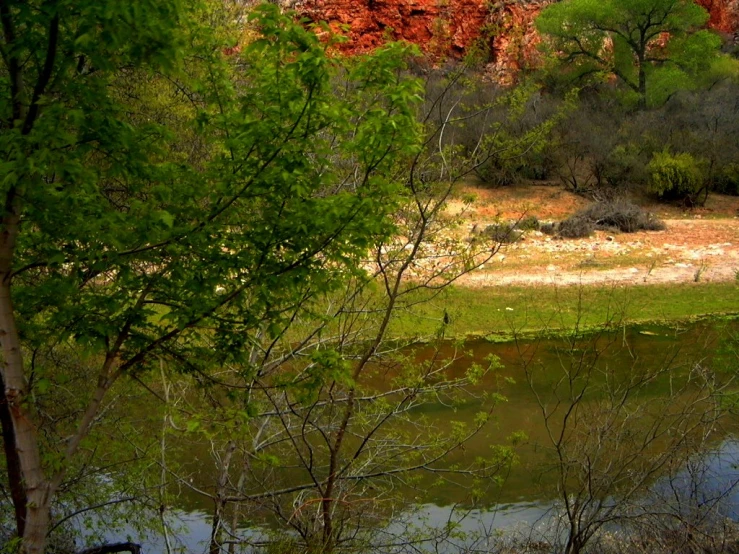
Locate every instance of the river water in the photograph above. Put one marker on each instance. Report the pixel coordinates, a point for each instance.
(527, 500)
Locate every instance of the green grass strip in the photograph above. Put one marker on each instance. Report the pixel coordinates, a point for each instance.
(500, 310)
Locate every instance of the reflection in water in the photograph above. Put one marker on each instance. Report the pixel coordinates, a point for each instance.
(707, 488)
(525, 505)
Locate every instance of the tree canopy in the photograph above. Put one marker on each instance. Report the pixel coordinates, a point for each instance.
(129, 233)
(653, 47)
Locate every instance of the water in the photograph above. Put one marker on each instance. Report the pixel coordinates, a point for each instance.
(528, 499)
(710, 486)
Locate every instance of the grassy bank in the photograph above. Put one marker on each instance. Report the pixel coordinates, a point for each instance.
(499, 310)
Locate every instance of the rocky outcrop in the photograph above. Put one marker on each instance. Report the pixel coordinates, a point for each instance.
(448, 26)
(502, 28)
(514, 45)
(724, 14)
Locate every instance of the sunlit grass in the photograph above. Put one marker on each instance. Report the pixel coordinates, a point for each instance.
(499, 310)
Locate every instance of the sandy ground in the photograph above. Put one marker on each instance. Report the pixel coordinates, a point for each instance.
(698, 245)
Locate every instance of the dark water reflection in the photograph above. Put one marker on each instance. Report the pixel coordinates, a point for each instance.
(709, 485)
(527, 497)
(619, 353)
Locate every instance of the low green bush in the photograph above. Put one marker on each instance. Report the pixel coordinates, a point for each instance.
(678, 176)
(529, 223)
(727, 181)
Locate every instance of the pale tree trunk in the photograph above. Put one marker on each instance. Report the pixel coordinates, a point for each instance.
(17, 421)
(38, 490)
(236, 510)
(163, 500)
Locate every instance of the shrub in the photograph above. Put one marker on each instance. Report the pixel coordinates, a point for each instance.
(727, 181)
(616, 215)
(675, 175)
(621, 215)
(549, 228)
(536, 166)
(529, 223)
(622, 165)
(504, 233)
(576, 227)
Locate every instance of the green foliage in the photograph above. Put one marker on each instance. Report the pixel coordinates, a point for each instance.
(519, 139)
(675, 175)
(727, 182)
(529, 223)
(653, 47)
(175, 202)
(251, 229)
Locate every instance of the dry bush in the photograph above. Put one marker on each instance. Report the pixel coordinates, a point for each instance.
(615, 215)
(575, 227)
(622, 215)
(503, 233)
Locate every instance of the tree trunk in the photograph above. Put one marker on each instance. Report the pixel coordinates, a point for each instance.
(15, 479)
(642, 84)
(38, 490)
(572, 546)
(220, 500)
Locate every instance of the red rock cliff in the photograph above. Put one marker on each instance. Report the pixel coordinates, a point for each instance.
(724, 14)
(448, 25)
(452, 27)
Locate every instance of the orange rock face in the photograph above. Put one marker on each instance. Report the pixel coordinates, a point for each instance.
(444, 28)
(440, 28)
(448, 26)
(724, 14)
(514, 46)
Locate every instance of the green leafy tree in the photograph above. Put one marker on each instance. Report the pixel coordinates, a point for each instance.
(653, 47)
(120, 241)
(319, 423)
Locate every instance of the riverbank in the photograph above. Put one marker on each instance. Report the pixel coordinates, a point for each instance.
(502, 311)
(687, 271)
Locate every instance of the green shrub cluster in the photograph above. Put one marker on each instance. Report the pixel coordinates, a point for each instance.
(675, 175)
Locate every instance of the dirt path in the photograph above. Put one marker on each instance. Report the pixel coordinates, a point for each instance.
(691, 249)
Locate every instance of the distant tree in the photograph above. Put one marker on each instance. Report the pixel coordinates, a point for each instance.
(653, 47)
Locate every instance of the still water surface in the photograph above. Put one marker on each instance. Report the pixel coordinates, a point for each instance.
(528, 495)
